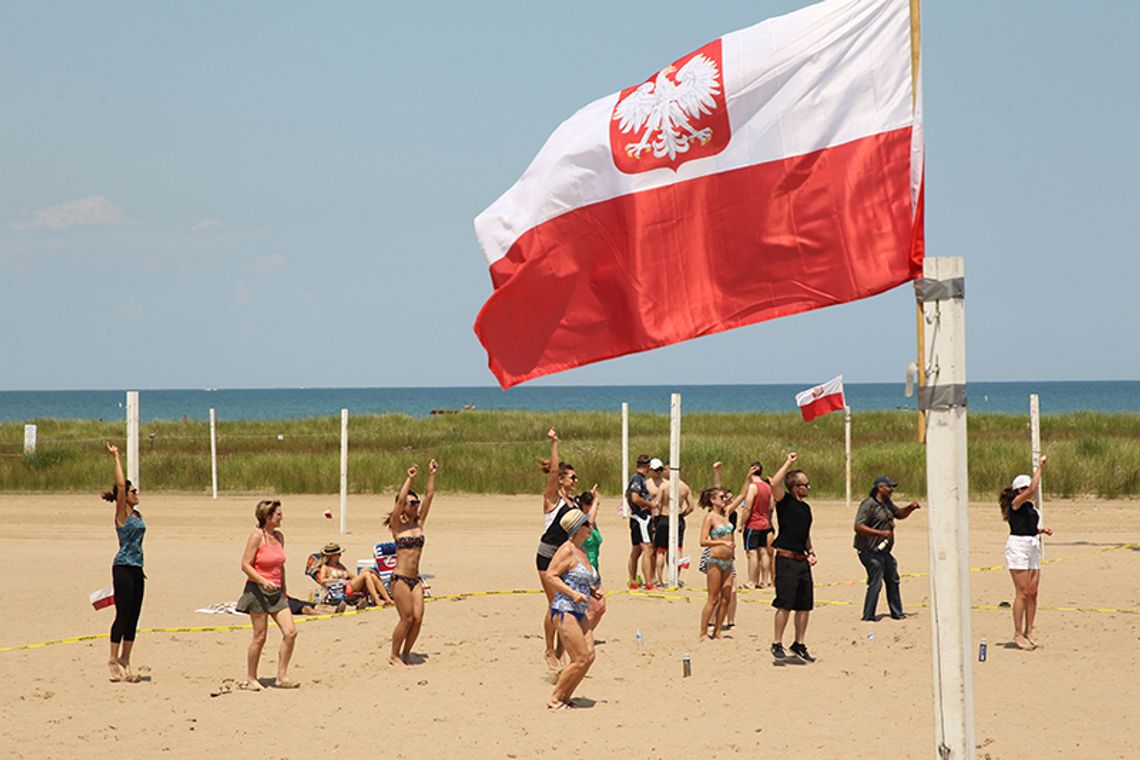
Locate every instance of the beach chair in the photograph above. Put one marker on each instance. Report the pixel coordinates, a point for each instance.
(333, 592)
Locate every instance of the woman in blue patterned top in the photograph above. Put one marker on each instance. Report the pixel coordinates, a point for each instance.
(574, 582)
(126, 572)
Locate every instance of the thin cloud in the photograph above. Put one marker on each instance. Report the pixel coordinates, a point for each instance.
(206, 224)
(270, 263)
(92, 210)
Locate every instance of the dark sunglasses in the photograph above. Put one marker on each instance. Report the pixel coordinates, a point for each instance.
(803, 485)
(572, 477)
(414, 502)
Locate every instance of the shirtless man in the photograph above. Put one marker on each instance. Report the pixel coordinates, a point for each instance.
(659, 491)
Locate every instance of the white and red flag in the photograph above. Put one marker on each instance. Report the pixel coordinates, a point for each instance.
(104, 597)
(822, 399)
(772, 171)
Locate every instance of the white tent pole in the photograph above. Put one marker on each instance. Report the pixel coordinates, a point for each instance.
(947, 488)
(133, 437)
(343, 471)
(214, 450)
(1035, 443)
(624, 457)
(674, 483)
(847, 450)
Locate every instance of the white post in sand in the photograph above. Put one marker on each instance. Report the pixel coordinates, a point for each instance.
(674, 483)
(847, 444)
(133, 437)
(1035, 443)
(624, 457)
(29, 439)
(942, 295)
(343, 471)
(214, 451)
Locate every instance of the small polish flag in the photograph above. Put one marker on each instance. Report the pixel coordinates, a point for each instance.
(104, 597)
(821, 399)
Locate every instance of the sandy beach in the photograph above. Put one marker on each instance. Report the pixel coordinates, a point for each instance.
(482, 687)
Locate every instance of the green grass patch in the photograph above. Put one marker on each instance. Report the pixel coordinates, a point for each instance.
(498, 451)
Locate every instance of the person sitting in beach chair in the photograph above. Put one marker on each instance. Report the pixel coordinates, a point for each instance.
(339, 583)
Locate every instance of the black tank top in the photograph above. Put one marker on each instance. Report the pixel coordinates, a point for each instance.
(554, 535)
(1023, 520)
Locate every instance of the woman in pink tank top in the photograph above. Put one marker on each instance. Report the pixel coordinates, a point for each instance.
(263, 563)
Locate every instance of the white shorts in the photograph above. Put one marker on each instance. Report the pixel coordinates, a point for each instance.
(1023, 553)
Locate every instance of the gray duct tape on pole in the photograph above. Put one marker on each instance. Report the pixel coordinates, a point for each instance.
(941, 396)
(927, 290)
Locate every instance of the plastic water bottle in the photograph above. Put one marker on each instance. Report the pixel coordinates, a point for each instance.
(639, 638)
(686, 665)
(982, 651)
(882, 545)
(871, 636)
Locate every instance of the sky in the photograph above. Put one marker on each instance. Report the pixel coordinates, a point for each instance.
(269, 194)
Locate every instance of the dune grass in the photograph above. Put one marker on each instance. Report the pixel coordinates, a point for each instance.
(1091, 454)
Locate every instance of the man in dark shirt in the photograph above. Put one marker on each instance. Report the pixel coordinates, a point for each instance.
(794, 560)
(640, 514)
(874, 539)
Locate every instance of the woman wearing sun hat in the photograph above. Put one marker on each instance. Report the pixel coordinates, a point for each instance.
(332, 569)
(574, 582)
(1023, 551)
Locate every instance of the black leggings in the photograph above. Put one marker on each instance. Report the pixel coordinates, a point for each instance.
(129, 584)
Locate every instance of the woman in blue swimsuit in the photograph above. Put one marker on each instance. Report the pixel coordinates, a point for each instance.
(406, 522)
(716, 534)
(574, 582)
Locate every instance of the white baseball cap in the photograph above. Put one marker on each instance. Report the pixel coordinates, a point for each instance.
(1021, 481)
(656, 464)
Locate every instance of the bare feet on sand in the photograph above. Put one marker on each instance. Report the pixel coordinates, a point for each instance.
(116, 671)
(394, 660)
(1023, 643)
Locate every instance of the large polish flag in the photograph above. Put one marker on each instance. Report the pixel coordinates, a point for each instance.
(822, 399)
(772, 171)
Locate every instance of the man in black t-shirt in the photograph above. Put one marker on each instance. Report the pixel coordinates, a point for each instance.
(794, 560)
(640, 514)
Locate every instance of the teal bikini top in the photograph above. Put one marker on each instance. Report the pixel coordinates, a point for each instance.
(720, 530)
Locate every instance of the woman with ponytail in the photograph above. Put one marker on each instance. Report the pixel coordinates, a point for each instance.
(126, 572)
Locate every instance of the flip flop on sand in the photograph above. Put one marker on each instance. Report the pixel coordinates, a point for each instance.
(287, 684)
(249, 686)
(226, 687)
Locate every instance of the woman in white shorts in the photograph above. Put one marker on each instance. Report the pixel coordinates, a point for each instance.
(1023, 552)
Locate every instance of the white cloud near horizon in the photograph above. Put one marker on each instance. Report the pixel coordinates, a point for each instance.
(94, 209)
(206, 224)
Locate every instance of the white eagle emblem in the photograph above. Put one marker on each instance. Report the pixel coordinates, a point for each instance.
(666, 108)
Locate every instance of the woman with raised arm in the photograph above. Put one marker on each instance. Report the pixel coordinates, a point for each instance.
(406, 522)
(126, 572)
(574, 582)
(1023, 552)
(264, 595)
(368, 582)
(556, 502)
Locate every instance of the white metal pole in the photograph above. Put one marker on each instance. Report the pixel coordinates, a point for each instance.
(133, 437)
(674, 483)
(944, 399)
(1035, 443)
(624, 457)
(343, 471)
(847, 449)
(214, 450)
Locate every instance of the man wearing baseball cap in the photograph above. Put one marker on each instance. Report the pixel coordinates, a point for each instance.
(874, 539)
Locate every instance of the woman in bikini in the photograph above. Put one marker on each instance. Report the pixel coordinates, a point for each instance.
(263, 563)
(332, 569)
(126, 572)
(589, 503)
(556, 502)
(717, 535)
(574, 582)
(406, 522)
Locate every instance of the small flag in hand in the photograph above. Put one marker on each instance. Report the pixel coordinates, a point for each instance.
(104, 597)
(821, 399)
